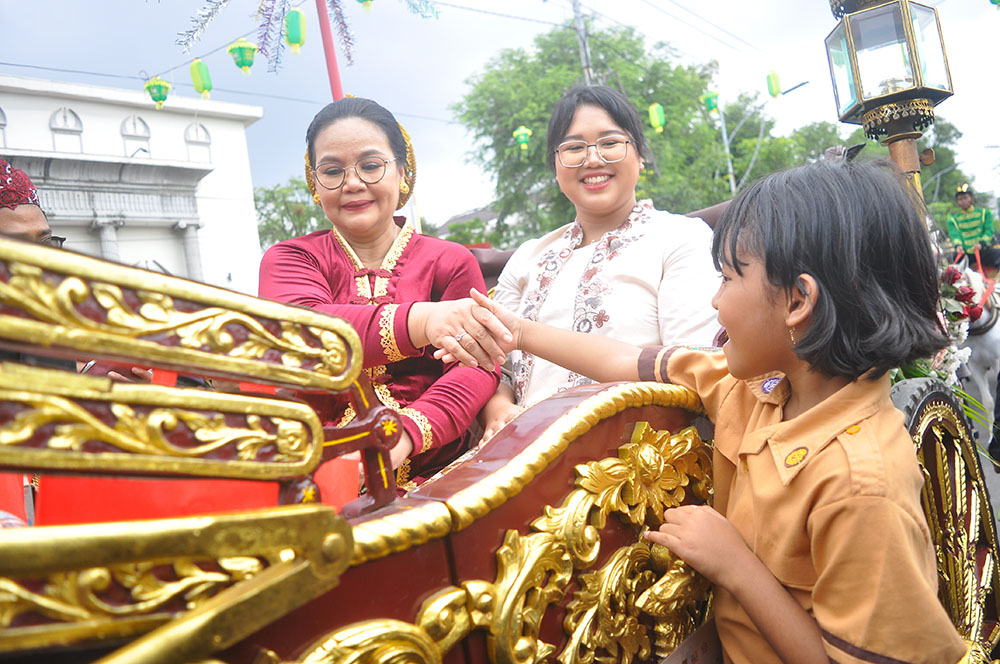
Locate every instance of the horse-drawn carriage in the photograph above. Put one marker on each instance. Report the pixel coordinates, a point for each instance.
(527, 548)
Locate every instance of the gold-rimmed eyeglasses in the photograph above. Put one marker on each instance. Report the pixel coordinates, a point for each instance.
(369, 170)
(610, 149)
(49, 240)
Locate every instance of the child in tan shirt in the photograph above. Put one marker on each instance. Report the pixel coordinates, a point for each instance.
(817, 543)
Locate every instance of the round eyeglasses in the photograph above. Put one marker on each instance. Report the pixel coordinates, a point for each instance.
(611, 149)
(369, 170)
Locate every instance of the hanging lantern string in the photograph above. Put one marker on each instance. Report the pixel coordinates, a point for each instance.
(343, 29)
(206, 54)
(188, 38)
(271, 32)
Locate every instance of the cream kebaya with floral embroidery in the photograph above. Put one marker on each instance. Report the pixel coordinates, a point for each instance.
(649, 281)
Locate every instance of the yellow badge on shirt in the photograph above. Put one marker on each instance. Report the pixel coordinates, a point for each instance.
(796, 456)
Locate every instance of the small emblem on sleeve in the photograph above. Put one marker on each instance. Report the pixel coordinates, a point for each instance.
(768, 385)
(796, 456)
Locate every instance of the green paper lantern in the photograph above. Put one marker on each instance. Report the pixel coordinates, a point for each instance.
(201, 78)
(657, 117)
(710, 100)
(521, 136)
(366, 4)
(295, 29)
(158, 89)
(243, 53)
(773, 84)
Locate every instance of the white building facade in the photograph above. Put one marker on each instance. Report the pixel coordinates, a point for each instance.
(168, 190)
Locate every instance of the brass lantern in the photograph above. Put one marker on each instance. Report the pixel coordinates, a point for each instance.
(888, 65)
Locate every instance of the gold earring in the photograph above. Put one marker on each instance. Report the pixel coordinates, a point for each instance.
(792, 335)
(403, 187)
(316, 199)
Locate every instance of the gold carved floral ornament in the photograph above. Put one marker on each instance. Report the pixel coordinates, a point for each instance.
(81, 303)
(90, 423)
(641, 602)
(201, 583)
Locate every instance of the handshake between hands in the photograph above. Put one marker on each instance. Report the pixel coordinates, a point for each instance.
(473, 331)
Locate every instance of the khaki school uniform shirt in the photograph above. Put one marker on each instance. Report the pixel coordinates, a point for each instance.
(830, 503)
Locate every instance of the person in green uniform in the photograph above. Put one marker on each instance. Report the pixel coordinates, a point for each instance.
(972, 229)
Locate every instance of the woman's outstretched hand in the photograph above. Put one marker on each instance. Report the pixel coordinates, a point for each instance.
(463, 332)
(499, 326)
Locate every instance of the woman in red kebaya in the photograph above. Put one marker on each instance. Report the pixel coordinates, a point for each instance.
(394, 285)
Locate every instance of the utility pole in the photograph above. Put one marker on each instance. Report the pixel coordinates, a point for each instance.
(581, 34)
(729, 156)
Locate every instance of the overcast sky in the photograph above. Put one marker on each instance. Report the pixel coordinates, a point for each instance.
(418, 67)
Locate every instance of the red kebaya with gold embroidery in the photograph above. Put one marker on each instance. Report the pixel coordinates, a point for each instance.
(438, 401)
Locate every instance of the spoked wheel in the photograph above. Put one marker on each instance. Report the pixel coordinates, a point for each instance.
(957, 506)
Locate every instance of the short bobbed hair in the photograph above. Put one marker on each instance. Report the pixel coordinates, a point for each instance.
(860, 233)
(614, 104)
(357, 107)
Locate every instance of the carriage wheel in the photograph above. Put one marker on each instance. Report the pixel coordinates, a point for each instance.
(958, 510)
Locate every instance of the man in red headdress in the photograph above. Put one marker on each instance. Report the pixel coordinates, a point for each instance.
(20, 214)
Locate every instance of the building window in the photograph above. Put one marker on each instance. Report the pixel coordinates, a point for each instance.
(67, 131)
(3, 129)
(199, 143)
(135, 134)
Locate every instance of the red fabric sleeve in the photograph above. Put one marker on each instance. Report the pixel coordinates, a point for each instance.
(294, 272)
(451, 403)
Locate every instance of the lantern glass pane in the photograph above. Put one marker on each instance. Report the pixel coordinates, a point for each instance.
(884, 62)
(838, 52)
(930, 52)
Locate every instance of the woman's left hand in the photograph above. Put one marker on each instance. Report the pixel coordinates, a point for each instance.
(401, 451)
(706, 540)
(397, 455)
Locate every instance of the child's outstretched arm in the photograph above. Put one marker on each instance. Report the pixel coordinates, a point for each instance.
(709, 543)
(596, 357)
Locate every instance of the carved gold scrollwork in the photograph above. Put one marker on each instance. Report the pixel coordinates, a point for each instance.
(157, 315)
(533, 573)
(145, 434)
(85, 595)
(640, 601)
(653, 471)
(377, 642)
(675, 601)
(603, 615)
(448, 616)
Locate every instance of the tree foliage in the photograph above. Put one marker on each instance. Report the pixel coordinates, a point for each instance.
(285, 211)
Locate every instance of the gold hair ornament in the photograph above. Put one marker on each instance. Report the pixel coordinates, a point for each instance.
(310, 183)
(409, 171)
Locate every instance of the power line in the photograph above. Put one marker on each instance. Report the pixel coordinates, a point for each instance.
(716, 26)
(633, 28)
(251, 93)
(68, 71)
(702, 30)
(492, 13)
